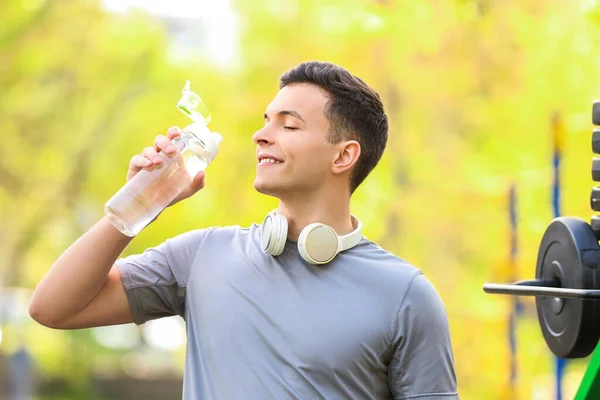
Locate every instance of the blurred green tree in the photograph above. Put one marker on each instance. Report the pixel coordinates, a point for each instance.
(70, 76)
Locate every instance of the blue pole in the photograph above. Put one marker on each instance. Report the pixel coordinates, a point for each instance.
(516, 306)
(560, 363)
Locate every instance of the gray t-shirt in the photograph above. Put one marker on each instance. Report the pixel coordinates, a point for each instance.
(368, 325)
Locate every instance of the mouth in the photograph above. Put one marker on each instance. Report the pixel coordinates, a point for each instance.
(268, 161)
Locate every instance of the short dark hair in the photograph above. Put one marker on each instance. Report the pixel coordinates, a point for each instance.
(354, 111)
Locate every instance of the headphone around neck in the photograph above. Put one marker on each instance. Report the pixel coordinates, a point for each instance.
(318, 243)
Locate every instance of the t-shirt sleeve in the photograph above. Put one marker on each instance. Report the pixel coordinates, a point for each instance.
(155, 281)
(422, 364)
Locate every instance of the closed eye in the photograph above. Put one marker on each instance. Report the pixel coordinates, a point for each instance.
(290, 128)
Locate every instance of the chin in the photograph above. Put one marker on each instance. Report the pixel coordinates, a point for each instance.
(264, 188)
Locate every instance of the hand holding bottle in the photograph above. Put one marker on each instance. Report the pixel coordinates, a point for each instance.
(167, 172)
(150, 158)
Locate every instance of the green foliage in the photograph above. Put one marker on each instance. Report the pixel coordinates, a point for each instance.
(470, 88)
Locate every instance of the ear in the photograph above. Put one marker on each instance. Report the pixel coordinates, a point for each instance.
(346, 155)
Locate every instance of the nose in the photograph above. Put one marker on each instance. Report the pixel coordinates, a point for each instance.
(263, 136)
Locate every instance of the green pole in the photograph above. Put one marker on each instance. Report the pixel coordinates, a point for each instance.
(589, 389)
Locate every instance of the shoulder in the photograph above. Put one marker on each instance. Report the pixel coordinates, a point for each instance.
(380, 270)
(375, 260)
(413, 291)
(214, 237)
(215, 232)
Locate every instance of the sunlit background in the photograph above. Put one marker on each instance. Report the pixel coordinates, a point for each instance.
(475, 90)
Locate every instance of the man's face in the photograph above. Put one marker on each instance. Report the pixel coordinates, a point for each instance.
(294, 155)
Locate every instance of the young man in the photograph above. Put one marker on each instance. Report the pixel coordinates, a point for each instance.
(272, 312)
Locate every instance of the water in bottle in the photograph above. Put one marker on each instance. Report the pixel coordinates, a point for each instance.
(151, 190)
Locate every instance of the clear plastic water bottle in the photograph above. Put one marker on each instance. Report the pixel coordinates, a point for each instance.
(150, 191)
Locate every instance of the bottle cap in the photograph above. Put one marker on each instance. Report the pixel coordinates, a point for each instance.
(211, 140)
(192, 105)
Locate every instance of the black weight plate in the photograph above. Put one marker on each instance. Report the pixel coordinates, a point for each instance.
(596, 112)
(595, 199)
(569, 253)
(596, 169)
(595, 223)
(596, 141)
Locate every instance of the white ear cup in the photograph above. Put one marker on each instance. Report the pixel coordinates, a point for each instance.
(274, 234)
(265, 234)
(280, 234)
(318, 244)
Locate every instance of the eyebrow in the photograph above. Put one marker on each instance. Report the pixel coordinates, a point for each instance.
(287, 112)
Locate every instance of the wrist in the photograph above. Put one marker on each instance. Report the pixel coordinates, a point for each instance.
(111, 230)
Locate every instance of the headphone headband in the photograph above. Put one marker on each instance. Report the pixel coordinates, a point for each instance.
(351, 239)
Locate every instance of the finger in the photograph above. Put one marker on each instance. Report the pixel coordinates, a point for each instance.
(161, 143)
(151, 154)
(196, 184)
(139, 162)
(173, 132)
(198, 181)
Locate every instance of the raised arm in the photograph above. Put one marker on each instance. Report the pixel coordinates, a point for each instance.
(83, 288)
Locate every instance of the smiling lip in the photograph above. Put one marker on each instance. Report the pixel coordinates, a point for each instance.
(267, 159)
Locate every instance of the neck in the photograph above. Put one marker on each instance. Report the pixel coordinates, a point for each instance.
(307, 208)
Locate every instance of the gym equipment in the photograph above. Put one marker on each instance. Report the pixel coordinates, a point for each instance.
(567, 283)
(567, 273)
